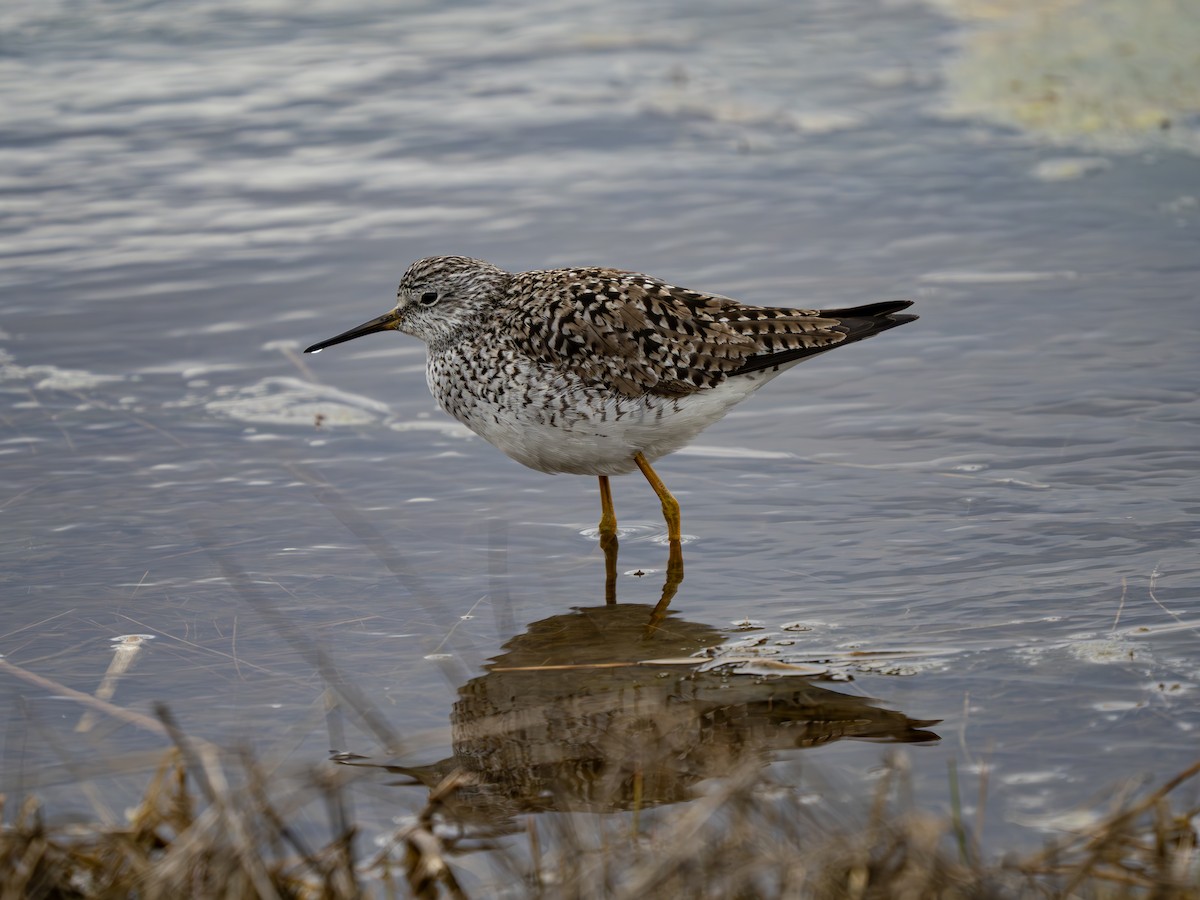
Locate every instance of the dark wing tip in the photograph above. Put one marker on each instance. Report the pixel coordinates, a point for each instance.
(871, 310)
(857, 324)
(863, 322)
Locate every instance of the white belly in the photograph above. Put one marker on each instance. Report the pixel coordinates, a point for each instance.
(550, 423)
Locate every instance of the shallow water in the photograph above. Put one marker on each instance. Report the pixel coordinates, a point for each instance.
(1002, 496)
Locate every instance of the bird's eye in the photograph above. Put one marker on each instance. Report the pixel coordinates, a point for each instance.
(429, 298)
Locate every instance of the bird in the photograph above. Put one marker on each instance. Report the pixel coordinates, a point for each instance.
(600, 371)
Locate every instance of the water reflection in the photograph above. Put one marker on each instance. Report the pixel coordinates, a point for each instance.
(674, 573)
(593, 711)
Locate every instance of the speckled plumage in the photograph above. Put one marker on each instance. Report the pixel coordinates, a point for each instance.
(579, 370)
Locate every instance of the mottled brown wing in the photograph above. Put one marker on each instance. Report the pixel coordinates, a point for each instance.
(640, 335)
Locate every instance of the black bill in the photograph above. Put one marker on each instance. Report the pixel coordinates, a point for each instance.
(386, 322)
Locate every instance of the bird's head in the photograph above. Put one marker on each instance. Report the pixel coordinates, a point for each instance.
(438, 298)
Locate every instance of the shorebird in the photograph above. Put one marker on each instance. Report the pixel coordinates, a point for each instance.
(597, 371)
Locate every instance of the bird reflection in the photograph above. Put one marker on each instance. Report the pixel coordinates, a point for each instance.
(593, 711)
(673, 577)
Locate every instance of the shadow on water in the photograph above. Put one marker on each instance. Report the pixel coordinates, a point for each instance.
(619, 707)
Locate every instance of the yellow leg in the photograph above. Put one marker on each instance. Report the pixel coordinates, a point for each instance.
(608, 515)
(670, 506)
(608, 540)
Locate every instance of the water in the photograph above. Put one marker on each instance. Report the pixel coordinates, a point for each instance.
(1000, 499)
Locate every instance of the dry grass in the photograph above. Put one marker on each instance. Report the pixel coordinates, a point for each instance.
(210, 826)
(178, 842)
(748, 838)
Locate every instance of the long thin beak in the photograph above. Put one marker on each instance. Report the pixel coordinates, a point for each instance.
(387, 322)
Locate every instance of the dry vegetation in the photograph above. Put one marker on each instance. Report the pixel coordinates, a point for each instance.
(211, 826)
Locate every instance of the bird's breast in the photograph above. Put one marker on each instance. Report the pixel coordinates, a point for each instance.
(547, 419)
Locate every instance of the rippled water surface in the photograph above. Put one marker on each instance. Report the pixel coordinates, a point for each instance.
(989, 517)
